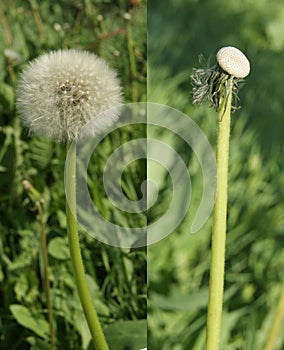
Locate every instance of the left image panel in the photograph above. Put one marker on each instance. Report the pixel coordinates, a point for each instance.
(72, 72)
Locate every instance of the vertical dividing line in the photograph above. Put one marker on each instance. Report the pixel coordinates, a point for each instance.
(217, 264)
(75, 252)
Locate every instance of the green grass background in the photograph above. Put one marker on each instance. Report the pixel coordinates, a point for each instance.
(178, 266)
(116, 31)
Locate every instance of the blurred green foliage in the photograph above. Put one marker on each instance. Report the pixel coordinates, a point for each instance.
(116, 31)
(178, 267)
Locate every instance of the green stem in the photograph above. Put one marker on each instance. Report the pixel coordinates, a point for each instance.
(217, 265)
(75, 253)
(46, 279)
(274, 332)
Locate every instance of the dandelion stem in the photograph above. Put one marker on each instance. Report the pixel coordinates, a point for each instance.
(75, 253)
(217, 266)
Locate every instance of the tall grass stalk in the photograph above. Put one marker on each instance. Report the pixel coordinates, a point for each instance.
(36, 197)
(46, 275)
(132, 62)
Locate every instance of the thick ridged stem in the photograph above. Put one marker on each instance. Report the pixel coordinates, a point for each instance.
(217, 265)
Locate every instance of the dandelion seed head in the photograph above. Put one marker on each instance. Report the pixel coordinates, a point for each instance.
(233, 61)
(127, 16)
(100, 18)
(61, 91)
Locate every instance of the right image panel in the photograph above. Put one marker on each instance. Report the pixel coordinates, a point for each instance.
(217, 281)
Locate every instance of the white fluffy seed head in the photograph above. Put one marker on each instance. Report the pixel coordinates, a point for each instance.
(233, 61)
(61, 91)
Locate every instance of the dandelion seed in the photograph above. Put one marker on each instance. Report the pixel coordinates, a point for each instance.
(127, 16)
(61, 91)
(100, 18)
(13, 57)
(57, 27)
